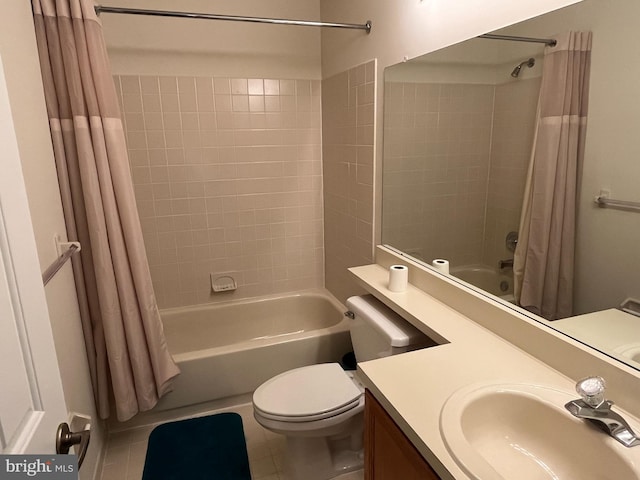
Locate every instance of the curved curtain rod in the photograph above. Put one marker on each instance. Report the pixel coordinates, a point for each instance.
(548, 41)
(209, 16)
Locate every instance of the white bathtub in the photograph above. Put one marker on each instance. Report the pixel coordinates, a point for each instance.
(231, 348)
(490, 280)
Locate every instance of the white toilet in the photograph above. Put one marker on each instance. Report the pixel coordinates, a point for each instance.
(319, 408)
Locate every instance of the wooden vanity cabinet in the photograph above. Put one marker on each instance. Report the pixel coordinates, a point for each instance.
(388, 453)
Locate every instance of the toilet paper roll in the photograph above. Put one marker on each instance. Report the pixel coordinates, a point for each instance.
(441, 265)
(398, 278)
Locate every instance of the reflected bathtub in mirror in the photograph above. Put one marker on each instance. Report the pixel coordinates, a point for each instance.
(493, 281)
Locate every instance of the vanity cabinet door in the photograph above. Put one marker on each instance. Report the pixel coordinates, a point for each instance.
(388, 453)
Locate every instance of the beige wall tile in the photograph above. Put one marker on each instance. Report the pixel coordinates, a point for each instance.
(469, 189)
(348, 197)
(512, 139)
(168, 84)
(225, 187)
(149, 85)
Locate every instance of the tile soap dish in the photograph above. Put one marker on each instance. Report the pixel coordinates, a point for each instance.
(224, 283)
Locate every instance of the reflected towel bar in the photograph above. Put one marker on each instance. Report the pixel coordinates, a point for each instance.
(209, 16)
(604, 201)
(59, 262)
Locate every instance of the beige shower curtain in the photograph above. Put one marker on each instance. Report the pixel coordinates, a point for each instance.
(126, 348)
(543, 263)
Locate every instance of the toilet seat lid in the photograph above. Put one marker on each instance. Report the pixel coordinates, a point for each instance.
(307, 392)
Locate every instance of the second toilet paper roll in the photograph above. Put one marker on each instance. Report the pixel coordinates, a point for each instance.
(441, 265)
(398, 278)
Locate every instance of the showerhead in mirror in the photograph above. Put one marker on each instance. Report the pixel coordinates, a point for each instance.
(529, 63)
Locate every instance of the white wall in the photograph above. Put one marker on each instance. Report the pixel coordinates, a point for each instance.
(608, 262)
(19, 54)
(423, 72)
(173, 46)
(409, 28)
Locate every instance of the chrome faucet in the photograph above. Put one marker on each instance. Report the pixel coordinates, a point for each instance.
(505, 263)
(596, 409)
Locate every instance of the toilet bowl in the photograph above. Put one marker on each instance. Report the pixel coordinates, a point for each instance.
(319, 408)
(309, 398)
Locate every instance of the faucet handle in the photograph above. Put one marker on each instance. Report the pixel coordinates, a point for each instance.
(591, 389)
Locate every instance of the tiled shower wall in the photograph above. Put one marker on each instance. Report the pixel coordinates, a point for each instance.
(436, 164)
(511, 144)
(228, 180)
(348, 113)
(456, 159)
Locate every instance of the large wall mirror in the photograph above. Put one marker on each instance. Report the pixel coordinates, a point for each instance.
(459, 131)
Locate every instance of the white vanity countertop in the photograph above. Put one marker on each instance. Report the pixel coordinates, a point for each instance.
(608, 329)
(414, 386)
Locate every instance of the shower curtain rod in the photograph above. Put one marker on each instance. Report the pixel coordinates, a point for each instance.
(209, 16)
(548, 41)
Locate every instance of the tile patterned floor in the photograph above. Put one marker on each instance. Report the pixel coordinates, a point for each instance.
(126, 450)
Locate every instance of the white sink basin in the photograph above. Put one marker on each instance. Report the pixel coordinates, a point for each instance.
(524, 432)
(630, 351)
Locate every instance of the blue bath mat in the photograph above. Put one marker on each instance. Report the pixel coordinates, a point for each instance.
(211, 448)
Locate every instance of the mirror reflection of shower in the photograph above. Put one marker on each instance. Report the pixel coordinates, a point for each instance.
(529, 63)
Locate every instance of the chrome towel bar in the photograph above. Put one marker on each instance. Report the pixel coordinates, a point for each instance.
(60, 261)
(604, 201)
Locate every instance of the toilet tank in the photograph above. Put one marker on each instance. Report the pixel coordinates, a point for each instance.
(377, 331)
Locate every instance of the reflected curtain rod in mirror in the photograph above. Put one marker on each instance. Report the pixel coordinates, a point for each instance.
(547, 41)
